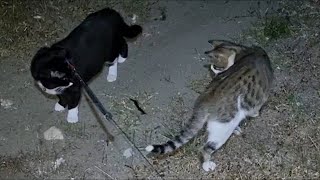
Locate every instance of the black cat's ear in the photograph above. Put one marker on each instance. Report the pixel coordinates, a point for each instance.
(67, 54)
(38, 60)
(40, 53)
(43, 50)
(61, 52)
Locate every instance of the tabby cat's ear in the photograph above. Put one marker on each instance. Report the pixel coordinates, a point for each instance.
(209, 53)
(226, 44)
(216, 43)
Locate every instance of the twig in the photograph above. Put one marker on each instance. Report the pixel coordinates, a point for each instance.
(240, 175)
(168, 79)
(104, 154)
(107, 115)
(198, 54)
(84, 174)
(104, 172)
(168, 132)
(136, 103)
(135, 173)
(315, 145)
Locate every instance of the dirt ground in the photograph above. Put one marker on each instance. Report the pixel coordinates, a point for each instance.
(165, 73)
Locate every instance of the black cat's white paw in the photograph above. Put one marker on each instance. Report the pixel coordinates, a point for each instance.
(121, 59)
(73, 115)
(58, 107)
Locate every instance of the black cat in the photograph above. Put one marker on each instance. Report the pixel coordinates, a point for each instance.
(97, 40)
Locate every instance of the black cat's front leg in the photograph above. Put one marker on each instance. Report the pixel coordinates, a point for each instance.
(73, 98)
(123, 52)
(61, 104)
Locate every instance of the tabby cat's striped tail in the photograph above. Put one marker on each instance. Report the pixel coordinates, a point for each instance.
(190, 131)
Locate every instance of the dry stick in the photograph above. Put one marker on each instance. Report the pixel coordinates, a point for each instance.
(107, 115)
(315, 145)
(104, 155)
(240, 175)
(128, 139)
(135, 173)
(104, 172)
(198, 54)
(136, 103)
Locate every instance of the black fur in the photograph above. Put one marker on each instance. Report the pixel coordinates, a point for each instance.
(178, 139)
(97, 40)
(158, 149)
(172, 145)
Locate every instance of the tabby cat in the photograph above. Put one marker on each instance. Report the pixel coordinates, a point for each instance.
(239, 89)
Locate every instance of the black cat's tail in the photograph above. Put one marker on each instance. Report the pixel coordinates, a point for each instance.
(194, 125)
(131, 31)
(115, 19)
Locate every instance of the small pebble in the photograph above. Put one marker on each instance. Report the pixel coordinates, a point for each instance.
(53, 133)
(128, 153)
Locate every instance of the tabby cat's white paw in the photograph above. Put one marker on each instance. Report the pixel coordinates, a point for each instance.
(255, 114)
(111, 77)
(58, 107)
(237, 131)
(208, 166)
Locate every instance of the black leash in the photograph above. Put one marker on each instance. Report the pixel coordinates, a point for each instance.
(107, 115)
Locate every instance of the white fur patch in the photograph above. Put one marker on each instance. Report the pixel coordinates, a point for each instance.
(216, 71)
(54, 91)
(121, 59)
(230, 60)
(208, 166)
(149, 148)
(58, 107)
(220, 132)
(113, 71)
(73, 115)
(57, 74)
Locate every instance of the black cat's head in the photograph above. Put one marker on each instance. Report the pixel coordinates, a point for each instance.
(50, 70)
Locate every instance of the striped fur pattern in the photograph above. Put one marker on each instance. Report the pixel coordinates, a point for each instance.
(237, 92)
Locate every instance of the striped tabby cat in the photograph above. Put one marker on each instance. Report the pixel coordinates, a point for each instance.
(240, 88)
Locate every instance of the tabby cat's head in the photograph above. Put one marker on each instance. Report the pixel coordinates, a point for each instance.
(223, 55)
